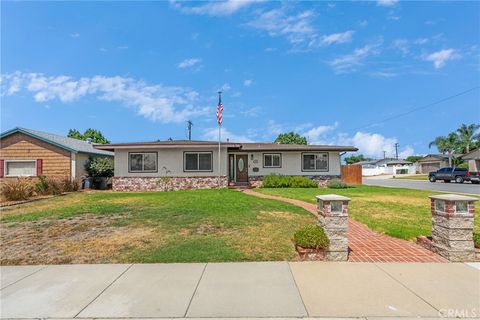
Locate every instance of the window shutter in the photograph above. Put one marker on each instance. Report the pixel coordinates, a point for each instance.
(39, 167)
(2, 168)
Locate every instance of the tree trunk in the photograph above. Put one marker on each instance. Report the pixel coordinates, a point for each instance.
(449, 159)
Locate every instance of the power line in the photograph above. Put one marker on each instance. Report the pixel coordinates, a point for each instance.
(418, 108)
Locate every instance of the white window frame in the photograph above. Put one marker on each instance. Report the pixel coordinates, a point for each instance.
(279, 155)
(316, 154)
(198, 161)
(143, 162)
(5, 165)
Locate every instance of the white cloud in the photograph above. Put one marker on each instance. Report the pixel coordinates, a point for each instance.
(248, 82)
(407, 152)
(383, 74)
(124, 47)
(188, 63)
(402, 45)
(317, 135)
(441, 57)
(297, 28)
(421, 41)
(350, 62)
(387, 3)
(211, 134)
(225, 87)
(363, 23)
(75, 35)
(155, 102)
(214, 8)
(342, 37)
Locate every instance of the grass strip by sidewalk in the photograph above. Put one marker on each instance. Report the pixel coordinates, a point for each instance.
(398, 212)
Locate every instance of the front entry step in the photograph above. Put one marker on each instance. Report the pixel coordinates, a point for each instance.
(239, 185)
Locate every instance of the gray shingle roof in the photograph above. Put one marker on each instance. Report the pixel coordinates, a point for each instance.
(240, 146)
(67, 143)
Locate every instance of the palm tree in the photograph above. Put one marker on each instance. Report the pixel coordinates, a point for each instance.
(468, 137)
(446, 144)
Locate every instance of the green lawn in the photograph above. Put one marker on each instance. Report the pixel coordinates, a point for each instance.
(415, 177)
(183, 226)
(401, 213)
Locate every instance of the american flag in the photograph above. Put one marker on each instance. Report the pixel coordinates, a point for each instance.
(219, 110)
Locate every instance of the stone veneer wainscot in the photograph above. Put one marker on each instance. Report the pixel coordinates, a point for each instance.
(167, 183)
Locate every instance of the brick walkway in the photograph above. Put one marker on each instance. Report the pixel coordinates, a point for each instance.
(366, 245)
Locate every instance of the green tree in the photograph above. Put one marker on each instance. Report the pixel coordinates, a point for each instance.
(99, 167)
(468, 137)
(74, 133)
(414, 158)
(95, 135)
(446, 145)
(290, 138)
(354, 159)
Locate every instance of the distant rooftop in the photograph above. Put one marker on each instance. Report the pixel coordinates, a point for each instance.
(70, 144)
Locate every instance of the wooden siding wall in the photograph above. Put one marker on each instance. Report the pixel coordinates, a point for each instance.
(352, 174)
(18, 146)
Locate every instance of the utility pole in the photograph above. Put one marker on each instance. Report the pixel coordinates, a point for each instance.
(384, 154)
(190, 124)
(396, 150)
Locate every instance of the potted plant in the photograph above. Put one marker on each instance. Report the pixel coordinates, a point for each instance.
(311, 242)
(99, 169)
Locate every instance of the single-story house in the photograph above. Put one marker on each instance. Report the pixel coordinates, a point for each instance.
(31, 153)
(433, 162)
(184, 164)
(473, 158)
(386, 166)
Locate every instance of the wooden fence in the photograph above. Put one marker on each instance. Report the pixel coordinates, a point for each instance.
(352, 174)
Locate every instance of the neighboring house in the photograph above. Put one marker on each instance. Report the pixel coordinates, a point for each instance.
(473, 158)
(30, 153)
(386, 166)
(433, 162)
(183, 164)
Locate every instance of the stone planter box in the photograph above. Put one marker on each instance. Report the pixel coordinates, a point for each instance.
(309, 254)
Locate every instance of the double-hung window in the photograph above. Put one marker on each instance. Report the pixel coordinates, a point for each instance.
(315, 162)
(142, 162)
(20, 168)
(272, 160)
(198, 161)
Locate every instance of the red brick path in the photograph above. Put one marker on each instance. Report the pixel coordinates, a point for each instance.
(366, 245)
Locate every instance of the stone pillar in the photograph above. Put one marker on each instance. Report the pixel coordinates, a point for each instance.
(333, 217)
(452, 226)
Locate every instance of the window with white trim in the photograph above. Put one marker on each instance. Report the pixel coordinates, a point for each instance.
(315, 162)
(198, 161)
(272, 160)
(142, 162)
(20, 168)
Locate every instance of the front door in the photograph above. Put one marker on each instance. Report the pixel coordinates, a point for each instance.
(241, 167)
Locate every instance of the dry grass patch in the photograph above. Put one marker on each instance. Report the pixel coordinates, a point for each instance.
(80, 239)
(398, 199)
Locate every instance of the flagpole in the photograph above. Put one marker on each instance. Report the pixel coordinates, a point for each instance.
(219, 142)
(219, 157)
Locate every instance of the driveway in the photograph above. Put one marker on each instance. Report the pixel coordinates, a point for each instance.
(425, 185)
(241, 290)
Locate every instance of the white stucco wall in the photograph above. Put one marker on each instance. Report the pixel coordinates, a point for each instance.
(172, 159)
(291, 165)
(80, 160)
(168, 159)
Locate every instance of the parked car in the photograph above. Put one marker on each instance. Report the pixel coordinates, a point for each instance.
(474, 177)
(447, 174)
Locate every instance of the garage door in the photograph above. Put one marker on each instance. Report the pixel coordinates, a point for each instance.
(427, 167)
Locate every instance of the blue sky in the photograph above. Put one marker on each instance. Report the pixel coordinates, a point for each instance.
(331, 71)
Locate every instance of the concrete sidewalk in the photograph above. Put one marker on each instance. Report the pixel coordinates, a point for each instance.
(239, 290)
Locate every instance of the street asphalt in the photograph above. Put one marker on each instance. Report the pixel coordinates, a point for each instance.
(466, 187)
(241, 290)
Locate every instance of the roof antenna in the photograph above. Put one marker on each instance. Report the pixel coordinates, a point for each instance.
(190, 125)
